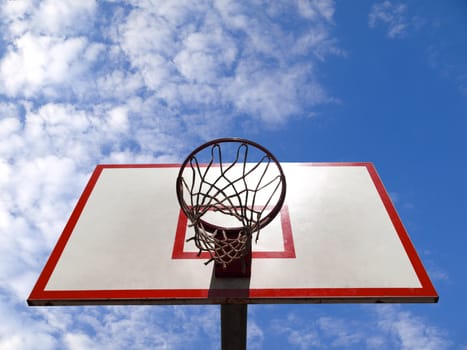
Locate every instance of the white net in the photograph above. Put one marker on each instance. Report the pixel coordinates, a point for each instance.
(227, 203)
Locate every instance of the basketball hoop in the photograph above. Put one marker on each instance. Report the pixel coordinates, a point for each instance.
(229, 189)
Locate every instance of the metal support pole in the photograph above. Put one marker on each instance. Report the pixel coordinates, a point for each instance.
(233, 326)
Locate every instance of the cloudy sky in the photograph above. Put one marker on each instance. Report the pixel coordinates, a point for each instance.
(86, 82)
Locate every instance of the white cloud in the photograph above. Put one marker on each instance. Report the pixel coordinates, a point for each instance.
(410, 331)
(316, 9)
(186, 54)
(43, 64)
(64, 16)
(47, 53)
(342, 333)
(192, 56)
(393, 16)
(119, 84)
(49, 17)
(18, 330)
(366, 327)
(118, 119)
(78, 341)
(303, 335)
(107, 328)
(255, 335)
(16, 17)
(204, 56)
(257, 91)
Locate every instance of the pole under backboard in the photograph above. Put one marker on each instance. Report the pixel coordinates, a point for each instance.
(233, 326)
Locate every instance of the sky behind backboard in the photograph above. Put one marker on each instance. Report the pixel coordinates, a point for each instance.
(84, 82)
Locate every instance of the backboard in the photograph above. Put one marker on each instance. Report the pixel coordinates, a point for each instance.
(337, 238)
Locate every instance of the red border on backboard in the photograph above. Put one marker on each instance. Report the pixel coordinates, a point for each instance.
(287, 237)
(40, 296)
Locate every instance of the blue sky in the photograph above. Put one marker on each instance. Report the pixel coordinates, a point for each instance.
(84, 82)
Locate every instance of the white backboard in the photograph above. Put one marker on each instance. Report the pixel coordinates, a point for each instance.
(338, 238)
